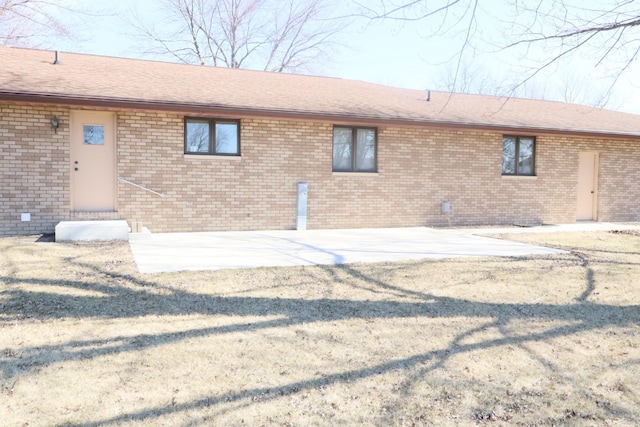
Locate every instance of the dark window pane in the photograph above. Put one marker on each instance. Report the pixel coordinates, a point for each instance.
(525, 157)
(197, 137)
(227, 138)
(342, 147)
(366, 150)
(508, 155)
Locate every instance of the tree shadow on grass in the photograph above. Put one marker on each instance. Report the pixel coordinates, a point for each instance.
(291, 312)
(436, 358)
(152, 298)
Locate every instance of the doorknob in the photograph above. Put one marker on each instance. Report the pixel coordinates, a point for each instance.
(591, 190)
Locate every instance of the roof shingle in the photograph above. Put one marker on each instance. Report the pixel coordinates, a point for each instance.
(30, 74)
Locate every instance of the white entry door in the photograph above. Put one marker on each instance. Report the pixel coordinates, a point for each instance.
(587, 186)
(93, 169)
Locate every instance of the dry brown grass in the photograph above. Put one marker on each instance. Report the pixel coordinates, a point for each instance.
(85, 340)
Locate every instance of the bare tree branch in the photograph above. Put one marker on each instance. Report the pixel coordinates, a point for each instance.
(553, 60)
(25, 22)
(602, 34)
(403, 8)
(273, 35)
(464, 44)
(612, 26)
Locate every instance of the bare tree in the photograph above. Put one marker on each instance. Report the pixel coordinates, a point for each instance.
(571, 86)
(273, 35)
(29, 22)
(564, 85)
(470, 78)
(607, 31)
(603, 34)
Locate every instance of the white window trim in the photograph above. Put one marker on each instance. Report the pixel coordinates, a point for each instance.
(355, 173)
(521, 177)
(211, 157)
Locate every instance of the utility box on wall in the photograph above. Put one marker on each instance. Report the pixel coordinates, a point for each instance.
(301, 216)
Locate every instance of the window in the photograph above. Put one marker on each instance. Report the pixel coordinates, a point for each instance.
(518, 155)
(93, 134)
(208, 136)
(354, 149)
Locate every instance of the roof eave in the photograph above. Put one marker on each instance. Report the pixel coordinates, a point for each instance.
(240, 111)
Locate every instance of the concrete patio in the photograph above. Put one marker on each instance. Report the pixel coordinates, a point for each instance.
(167, 252)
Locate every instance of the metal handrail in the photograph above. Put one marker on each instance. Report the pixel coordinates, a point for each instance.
(121, 179)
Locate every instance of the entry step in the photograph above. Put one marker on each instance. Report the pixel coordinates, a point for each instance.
(70, 231)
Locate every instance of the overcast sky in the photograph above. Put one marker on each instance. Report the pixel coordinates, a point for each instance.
(404, 54)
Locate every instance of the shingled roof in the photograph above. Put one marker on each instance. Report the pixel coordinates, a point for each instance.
(30, 75)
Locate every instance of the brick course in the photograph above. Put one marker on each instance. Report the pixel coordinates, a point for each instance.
(418, 168)
(34, 169)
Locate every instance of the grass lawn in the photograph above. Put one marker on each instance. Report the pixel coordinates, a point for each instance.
(550, 340)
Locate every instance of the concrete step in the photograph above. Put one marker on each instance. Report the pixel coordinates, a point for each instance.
(69, 231)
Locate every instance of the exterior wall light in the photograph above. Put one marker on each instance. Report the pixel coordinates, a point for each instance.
(55, 123)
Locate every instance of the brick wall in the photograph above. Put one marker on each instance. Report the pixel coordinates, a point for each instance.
(619, 181)
(417, 170)
(34, 169)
